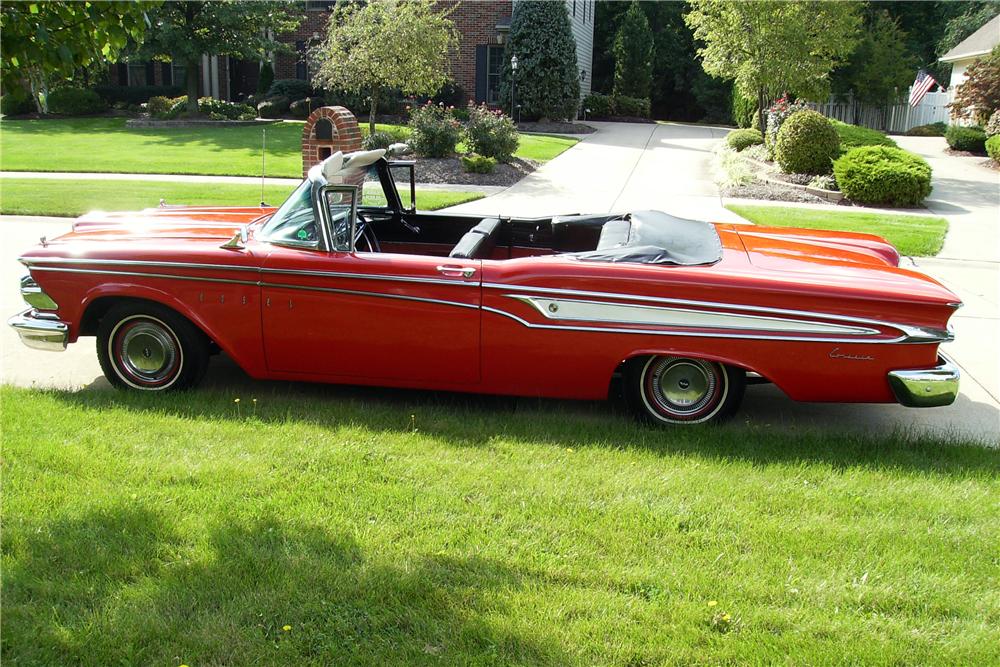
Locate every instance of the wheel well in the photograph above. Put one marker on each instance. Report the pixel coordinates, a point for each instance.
(615, 383)
(98, 308)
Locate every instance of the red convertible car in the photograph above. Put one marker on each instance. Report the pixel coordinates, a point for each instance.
(327, 288)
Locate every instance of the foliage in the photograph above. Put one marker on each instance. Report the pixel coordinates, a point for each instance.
(777, 114)
(971, 139)
(883, 175)
(807, 144)
(596, 105)
(744, 110)
(357, 55)
(46, 42)
(479, 164)
(824, 182)
(293, 89)
(740, 139)
(730, 169)
(771, 47)
(993, 125)
(135, 94)
(302, 108)
(70, 101)
(972, 17)
(16, 102)
(633, 52)
(632, 107)
(930, 130)
(266, 78)
(273, 107)
(852, 136)
(490, 133)
(880, 65)
(611, 106)
(207, 106)
(377, 140)
(434, 132)
(979, 94)
(159, 106)
(184, 31)
(548, 82)
(993, 147)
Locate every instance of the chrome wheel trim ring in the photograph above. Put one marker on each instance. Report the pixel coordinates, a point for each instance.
(698, 402)
(145, 353)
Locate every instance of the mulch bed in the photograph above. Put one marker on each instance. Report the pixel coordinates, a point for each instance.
(450, 170)
(955, 153)
(771, 192)
(556, 127)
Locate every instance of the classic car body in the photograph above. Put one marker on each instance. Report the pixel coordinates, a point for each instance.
(557, 306)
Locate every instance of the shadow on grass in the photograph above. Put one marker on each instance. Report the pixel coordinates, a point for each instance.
(124, 586)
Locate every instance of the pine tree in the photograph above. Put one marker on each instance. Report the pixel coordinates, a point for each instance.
(633, 52)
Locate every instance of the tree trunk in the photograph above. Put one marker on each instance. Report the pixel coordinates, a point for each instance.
(762, 112)
(371, 111)
(191, 74)
(35, 85)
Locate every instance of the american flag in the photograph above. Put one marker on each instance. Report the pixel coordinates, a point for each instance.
(921, 85)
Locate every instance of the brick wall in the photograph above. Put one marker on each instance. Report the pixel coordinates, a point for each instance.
(313, 27)
(476, 23)
(346, 136)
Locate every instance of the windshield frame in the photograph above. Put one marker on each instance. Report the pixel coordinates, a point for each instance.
(318, 190)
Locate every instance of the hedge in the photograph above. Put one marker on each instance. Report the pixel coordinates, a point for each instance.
(993, 147)
(740, 139)
(971, 139)
(136, 94)
(75, 102)
(883, 175)
(852, 136)
(806, 143)
(930, 130)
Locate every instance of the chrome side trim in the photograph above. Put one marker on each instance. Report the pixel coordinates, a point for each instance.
(34, 296)
(172, 276)
(927, 387)
(403, 297)
(617, 313)
(40, 333)
(365, 276)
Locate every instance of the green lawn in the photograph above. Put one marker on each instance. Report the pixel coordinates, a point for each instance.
(913, 235)
(325, 526)
(33, 196)
(105, 145)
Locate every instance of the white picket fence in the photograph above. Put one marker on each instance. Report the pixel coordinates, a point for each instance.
(896, 118)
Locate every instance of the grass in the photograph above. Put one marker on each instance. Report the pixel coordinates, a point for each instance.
(852, 136)
(344, 526)
(105, 145)
(913, 235)
(33, 196)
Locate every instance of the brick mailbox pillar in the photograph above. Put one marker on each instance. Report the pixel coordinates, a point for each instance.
(328, 130)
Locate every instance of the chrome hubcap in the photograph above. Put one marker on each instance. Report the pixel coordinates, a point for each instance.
(148, 351)
(682, 385)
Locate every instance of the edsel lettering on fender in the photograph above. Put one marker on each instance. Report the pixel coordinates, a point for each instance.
(326, 289)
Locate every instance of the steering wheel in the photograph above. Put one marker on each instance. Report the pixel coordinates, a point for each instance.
(364, 232)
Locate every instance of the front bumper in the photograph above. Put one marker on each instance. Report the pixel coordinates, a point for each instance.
(40, 331)
(926, 387)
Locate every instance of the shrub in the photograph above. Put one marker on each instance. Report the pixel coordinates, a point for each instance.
(993, 126)
(491, 133)
(883, 175)
(852, 136)
(135, 94)
(993, 147)
(16, 102)
(636, 107)
(302, 108)
(273, 107)
(931, 130)
(971, 139)
(825, 182)
(433, 130)
(213, 108)
(744, 111)
(266, 78)
(777, 114)
(806, 144)
(159, 106)
(293, 89)
(478, 164)
(75, 102)
(740, 139)
(599, 106)
(377, 140)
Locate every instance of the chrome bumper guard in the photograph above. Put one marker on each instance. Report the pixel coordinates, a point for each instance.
(926, 387)
(40, 331)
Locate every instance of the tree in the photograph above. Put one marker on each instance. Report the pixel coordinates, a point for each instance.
(378, 46)
(47, 41)
(979, 94)
(548, 81)
(185, 31)
(974, 17)
(768, 47)
(633, 52)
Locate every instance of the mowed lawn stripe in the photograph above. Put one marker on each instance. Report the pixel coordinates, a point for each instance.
(394, 528)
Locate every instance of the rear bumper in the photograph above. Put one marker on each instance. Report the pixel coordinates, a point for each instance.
(40, 331)
(926, 387)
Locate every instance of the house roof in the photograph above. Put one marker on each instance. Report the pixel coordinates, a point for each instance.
(978, 43)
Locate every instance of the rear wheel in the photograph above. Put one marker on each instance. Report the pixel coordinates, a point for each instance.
(148, 347)
(683, 390)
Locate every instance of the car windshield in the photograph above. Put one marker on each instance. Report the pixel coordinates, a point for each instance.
(295, 221)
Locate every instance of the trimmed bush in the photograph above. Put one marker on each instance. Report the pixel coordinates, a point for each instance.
(207, 106)
(159, 106)
(971, 139)
(852, 136)
(266, 78)
(135, 94)
(993, 147)
(883, 175)
(491, 133)
(478, 164)
(378, 140)
(993, 126)
(741, 139)
(302, 108)
(434, 131)
(598, 106)
(634, 107)
(293, 89)
(930, 130)
(16, 102)
(806, 144)
(273, 107)
(75, 102)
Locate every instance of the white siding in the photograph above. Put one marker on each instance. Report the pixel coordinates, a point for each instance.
(583, 32)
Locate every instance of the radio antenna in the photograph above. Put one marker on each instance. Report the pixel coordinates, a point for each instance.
(263, 149)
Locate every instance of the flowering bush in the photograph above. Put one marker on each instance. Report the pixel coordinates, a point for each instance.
(491, 133)
(214, 109)
(777, 114)
(434, 131)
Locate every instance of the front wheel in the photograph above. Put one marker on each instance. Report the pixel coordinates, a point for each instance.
(682, 390)
(150, 348)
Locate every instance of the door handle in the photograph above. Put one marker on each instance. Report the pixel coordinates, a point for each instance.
(456, 271)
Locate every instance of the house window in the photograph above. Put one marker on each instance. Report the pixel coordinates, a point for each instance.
(136, 74)
(301, 67)
(179, 74)
(494, 66)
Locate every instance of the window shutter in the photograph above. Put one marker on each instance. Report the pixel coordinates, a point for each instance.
(481, 64)
(166, 74)
(150, 73)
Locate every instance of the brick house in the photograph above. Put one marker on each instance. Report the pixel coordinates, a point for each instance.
(482, 25)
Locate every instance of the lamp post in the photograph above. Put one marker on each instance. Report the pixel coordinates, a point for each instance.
(513, 80)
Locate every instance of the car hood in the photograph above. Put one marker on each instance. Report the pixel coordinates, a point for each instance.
(187, 222)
